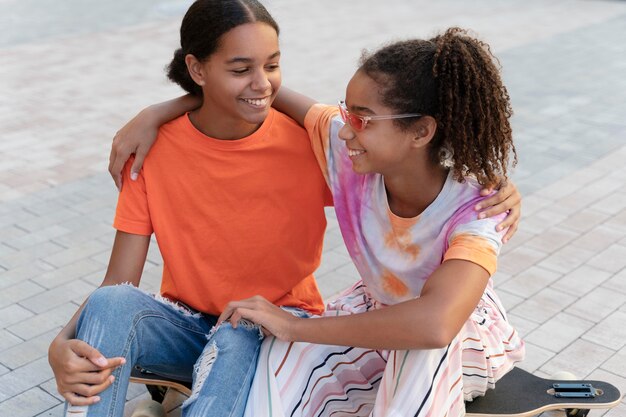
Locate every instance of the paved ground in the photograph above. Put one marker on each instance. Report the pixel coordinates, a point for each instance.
(72, 73)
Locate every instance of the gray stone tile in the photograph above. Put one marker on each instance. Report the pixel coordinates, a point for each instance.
(543, 305)
(33, 238)
(581, 280)
(530, 281)
(597, 304)
(610, 332)
(50, 386)
(612, 259)
(23, 273)
(536, 356)
(42, 323)
(616, 363)
(611, 204)
(27, 351)
(30, 254)
(519, 259)
(559, 332)
(566, 259)
(8, 340)
(617, 282)
(331, 260)
(58, 296)
(598, 239)
(67, 273)
(56, 411)
(19, 292)
(584, 220)
(24, 379)
(552, 239)
(26, 404)
(74, 254)
(579, 358)
(542, 220)
(13, 314)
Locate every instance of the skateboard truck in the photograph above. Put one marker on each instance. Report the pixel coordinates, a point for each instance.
(574, 390)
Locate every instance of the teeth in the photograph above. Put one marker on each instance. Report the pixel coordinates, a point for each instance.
(354, 152)
(256, 101)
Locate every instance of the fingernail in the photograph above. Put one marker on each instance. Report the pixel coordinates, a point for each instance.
(477, 207)
(101, 361)
(123, 361)
(481, 215)
(96, 399)
(499, 228)
(133, 176)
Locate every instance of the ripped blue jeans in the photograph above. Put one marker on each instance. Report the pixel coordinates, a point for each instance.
(168, 340)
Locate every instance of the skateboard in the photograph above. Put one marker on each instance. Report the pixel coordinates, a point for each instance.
(158, 385)
(522, 394)
(517, 394)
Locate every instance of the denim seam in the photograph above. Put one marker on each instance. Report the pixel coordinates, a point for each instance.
(254, 364)
(129, 340)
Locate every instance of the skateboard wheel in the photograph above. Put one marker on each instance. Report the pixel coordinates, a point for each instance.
(564, 376)
(576, 412)
(149, 408)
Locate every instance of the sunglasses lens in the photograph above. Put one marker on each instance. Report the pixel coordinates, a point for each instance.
(356, 122)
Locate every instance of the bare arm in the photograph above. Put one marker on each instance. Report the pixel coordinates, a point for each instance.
(293, 104)
(139, 134)
(431, 321)
(81, 371)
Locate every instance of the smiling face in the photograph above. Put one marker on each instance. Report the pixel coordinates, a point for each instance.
(382, 146)
(239, 80)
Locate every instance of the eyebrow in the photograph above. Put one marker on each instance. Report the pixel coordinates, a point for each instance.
(241, 59)
(361, 109)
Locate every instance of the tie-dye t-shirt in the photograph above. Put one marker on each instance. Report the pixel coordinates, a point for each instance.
(394, 255)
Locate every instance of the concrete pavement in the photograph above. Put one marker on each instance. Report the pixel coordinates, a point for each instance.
(71, 76)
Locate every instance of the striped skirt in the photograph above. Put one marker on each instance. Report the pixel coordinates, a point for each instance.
(302, 379)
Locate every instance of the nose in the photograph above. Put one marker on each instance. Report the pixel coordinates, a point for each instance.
(346, 133)
(260, 81)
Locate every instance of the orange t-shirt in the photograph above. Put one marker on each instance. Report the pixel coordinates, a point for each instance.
(232, 218)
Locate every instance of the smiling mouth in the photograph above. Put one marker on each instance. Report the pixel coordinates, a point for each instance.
(355, 152)
(257, 102)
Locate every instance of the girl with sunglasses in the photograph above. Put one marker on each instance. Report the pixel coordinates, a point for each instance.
(424, 126)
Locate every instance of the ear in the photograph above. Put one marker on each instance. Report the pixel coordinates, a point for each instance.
(195, 68)
(424, 131)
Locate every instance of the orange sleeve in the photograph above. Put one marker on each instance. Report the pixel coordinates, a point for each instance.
(317, 123)
(132, 214)
(474, 249)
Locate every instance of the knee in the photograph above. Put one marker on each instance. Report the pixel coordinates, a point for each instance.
(246, 333)
(112, 304)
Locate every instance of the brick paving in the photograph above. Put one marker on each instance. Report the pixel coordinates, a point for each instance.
(70, 76)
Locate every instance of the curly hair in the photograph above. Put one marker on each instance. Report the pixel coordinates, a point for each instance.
(456, 79)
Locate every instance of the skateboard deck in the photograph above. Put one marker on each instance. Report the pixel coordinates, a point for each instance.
(141, 376)
(517, 394)
(522, 394)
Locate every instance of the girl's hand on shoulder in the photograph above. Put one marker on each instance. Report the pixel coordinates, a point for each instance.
(272, 319)
(136, 137)
(506, 199)
(81, 372)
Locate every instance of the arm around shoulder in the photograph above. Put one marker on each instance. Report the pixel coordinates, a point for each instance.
(293, 104)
